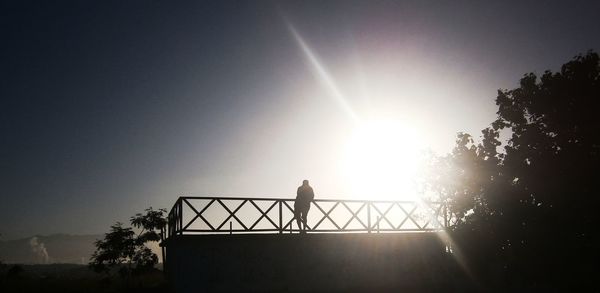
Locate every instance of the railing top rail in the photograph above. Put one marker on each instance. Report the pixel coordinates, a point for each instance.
(316, 199)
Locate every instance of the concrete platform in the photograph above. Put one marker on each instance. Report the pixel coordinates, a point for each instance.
(312, 262)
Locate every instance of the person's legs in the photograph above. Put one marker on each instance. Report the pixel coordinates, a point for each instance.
(298, 216)
(305, 215)
(304, 219)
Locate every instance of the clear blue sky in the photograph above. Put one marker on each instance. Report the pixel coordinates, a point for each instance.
(109, 107)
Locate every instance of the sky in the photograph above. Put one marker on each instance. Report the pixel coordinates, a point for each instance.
(109, 107)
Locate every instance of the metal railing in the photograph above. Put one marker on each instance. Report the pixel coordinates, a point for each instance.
(214, 215)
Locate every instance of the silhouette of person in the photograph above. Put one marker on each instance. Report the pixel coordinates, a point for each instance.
(304, 196)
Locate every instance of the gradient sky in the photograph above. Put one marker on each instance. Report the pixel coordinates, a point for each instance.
(109, 107)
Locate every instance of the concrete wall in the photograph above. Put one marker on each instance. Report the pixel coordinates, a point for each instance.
(312, 262)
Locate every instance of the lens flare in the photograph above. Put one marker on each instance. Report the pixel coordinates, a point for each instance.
(322, 73)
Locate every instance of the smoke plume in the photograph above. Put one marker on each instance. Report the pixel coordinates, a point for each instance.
(39, 250)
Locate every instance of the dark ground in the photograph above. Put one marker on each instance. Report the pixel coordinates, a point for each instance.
(74, 278)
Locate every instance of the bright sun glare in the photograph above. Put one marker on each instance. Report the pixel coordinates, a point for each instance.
(382, 160)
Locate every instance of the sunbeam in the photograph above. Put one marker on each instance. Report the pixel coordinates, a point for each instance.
(323, 74)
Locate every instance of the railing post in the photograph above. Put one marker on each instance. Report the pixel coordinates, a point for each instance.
(369, 217)
(180, 216)
(280, 216)
(175, 217)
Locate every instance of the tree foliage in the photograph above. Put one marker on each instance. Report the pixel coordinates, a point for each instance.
(125, 249)
(526, 216)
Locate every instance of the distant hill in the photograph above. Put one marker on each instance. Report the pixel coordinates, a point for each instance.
(56, 248)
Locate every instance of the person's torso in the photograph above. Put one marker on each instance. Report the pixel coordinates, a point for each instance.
(305, 194)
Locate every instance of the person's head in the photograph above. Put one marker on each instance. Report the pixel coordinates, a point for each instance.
(305, 182)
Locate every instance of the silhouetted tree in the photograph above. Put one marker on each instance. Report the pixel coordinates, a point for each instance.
(124, 249)
(152, 225)
(526, 217)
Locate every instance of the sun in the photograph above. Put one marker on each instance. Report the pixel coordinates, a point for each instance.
(382, 160)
